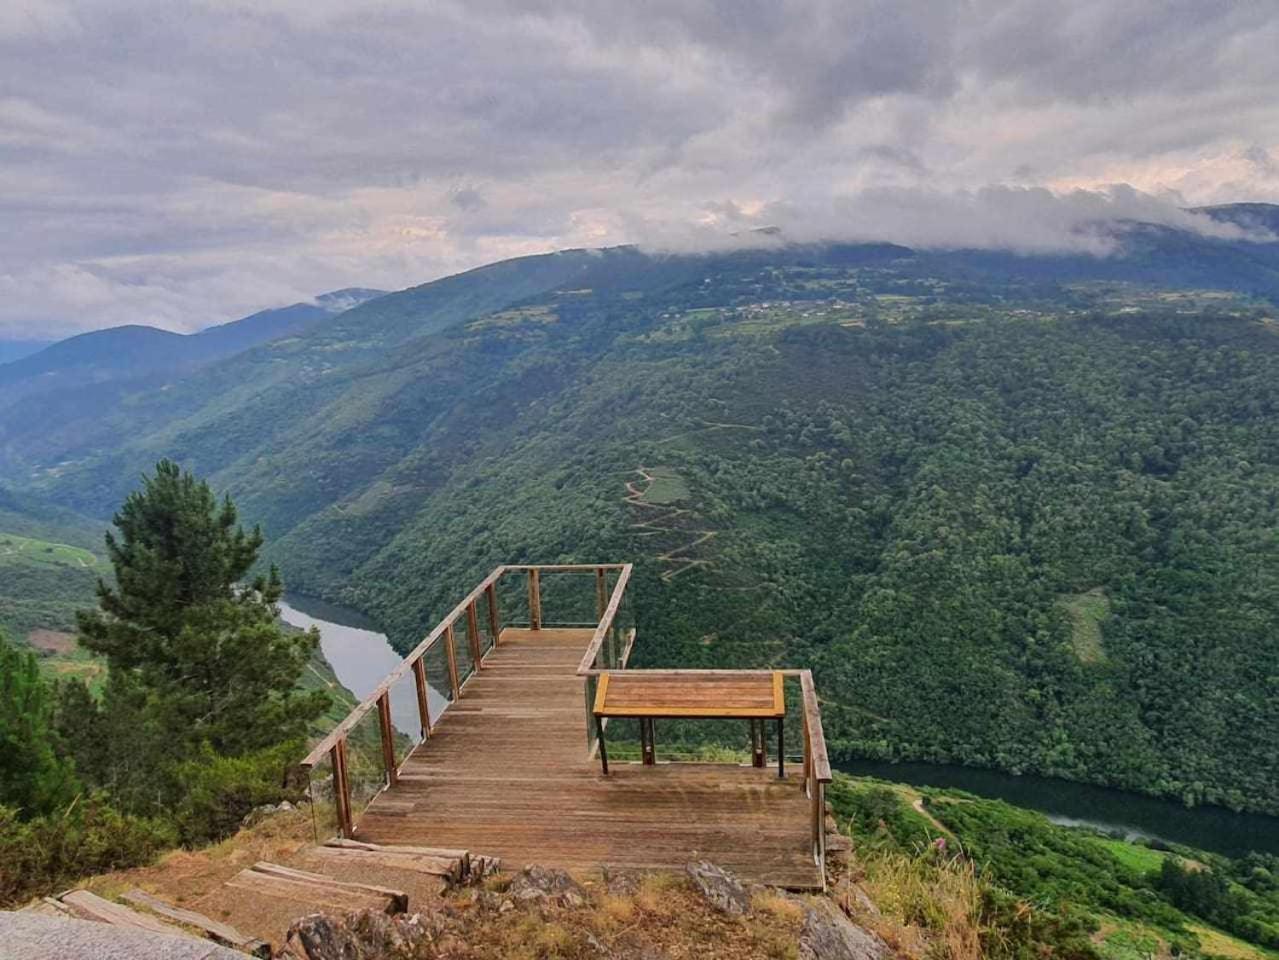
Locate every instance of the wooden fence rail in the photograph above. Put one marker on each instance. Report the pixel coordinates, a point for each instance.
(333, 746)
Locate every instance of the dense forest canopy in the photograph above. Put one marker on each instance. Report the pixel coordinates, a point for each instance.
(1011, 515)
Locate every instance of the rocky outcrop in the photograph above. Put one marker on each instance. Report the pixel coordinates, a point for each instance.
(721, 889)
(541, 885)
(368, 935)
(829, 935)
(265, 812)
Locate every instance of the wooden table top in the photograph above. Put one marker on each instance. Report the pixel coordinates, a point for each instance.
(640, 693)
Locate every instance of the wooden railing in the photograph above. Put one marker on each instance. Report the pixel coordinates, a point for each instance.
(334, 745)
(816, 764)
(609, 649)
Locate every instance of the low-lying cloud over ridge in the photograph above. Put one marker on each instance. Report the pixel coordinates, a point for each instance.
(185, 165)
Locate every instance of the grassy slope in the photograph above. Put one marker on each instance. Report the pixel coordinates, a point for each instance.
(1106, 884)
(43, 583)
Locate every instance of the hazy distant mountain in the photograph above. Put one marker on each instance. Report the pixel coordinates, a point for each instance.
(11, 350)
(1250, 215)
(133, 351)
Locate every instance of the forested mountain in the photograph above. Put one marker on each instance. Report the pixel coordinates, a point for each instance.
(72, 368)
(1014, 511)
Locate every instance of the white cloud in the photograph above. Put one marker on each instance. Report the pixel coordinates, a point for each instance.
(186, 169)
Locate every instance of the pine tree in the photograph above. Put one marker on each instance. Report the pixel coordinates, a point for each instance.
(33, 777)
(190, 629)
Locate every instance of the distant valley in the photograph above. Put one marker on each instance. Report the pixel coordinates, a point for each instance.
(1017, 511)
(76, 369)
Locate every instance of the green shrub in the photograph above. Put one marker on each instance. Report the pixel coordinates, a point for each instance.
(217, 792)
(47, 853)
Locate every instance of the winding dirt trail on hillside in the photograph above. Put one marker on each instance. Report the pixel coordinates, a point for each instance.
(660, 521)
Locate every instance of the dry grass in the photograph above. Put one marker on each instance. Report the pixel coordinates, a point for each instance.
(926, 908)
(182, 876)
(615, 911)
(778, 905)
(1222, 944)
(665, 915)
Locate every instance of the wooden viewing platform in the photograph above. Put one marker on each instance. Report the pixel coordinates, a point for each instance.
(509, 769)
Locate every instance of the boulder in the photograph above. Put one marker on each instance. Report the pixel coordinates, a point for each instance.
(721, 889)
(829, 935)
(546, 886)
(366, 935)
(265, 812)
(622, 883)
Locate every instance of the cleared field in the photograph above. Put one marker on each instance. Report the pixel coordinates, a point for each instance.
(1134, 855)
(25, 550)
(665, 486)
(1221, 944)
(1087, 611)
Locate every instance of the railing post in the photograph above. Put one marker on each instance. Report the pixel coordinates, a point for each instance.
(495, 621)
(341, 788)
(388, 739)
(423, 700)
(473, 634)
(450, 648)
(534, 599)
(601, 593)
(806, 783)
(590, 687)
(819, 826)
(818, 815)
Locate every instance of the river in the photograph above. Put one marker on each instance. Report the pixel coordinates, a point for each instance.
(361, 656)
(1079, 804)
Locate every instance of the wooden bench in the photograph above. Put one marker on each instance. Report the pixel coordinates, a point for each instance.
(648, 695)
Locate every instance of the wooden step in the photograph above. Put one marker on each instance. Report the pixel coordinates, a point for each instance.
(213, 929)
(49, 907)
(446, 872)
(273, 880)
(453, 865)
(89, 906)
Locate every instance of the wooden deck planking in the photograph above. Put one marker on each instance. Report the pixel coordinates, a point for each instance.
(506, 773)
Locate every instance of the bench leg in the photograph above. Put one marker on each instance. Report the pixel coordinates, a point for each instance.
(781, 751)
(599, 733)
(647, 747)
(758, 758)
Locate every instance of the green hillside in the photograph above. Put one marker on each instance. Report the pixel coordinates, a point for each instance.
(903, 471)
(50, 560)
(1089, 894)
(43, 583)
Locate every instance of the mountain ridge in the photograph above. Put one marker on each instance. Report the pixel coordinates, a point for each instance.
(917, 465)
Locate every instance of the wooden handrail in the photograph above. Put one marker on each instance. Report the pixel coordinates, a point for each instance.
(486, 585)
(368, 703)
(587, 666)
(563, 567)
(813, 722)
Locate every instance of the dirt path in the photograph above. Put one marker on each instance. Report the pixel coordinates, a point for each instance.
(660, 522)
(918, 806)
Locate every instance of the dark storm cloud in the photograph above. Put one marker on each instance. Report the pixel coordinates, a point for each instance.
(184, 163)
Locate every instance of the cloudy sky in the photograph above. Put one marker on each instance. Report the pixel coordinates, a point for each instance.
(184, 162)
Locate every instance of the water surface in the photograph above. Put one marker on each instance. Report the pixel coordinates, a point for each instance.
(1078, 804)
(360, 656)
